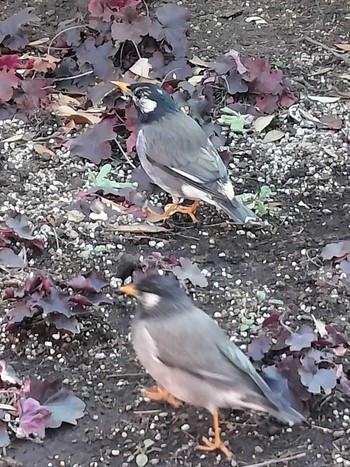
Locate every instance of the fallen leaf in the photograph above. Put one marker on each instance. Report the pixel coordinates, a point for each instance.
(141, 68)
(33, 420)
(12, 139)
(259, 347)
(262, 122)
(343, 46)
(141, 228)
(41, 149)
(324, 99)
(273, 135)
(80, 116)
(332, 122)
(37, 42)
(336, 250)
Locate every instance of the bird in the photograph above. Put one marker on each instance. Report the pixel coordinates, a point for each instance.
(193, 360)
(178, 156)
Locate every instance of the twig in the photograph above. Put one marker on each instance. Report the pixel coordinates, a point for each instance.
(277, 461)
(329, 49)
(125, 154)
(137, 50)
(143, 412)
(56, 237)
(62, 32)
(146, 7)
(124, 375)
(66, 78)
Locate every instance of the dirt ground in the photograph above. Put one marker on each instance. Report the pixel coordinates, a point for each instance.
(99, 364)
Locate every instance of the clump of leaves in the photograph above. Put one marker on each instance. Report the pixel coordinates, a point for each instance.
(40, 298)
(260, 202)
(309, 359)
(337, 260)
(29, 408)
(16, 228)
(182, 268)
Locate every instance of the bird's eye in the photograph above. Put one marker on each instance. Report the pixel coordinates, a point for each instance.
(138, 94)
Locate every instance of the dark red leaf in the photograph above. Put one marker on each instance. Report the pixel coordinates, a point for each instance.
(272, 319)
(8, 82)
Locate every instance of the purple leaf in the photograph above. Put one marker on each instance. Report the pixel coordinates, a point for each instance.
(190, 271)
(317, 379)
(20, 311)
(55, 302)
(144, 182)
(33, 420)
(9, 259)
(235, 83)
(336, 250)
(61, 402)
(92, 282)
(174, 22)
(259, 347)
(11, 34)
(60, 321)
(19, 224)
(301, 339)
(94, 144)
(132, 29)
(96, 56)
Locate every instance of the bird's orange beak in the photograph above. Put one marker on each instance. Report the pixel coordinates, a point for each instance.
(124, 87)
(129, 289)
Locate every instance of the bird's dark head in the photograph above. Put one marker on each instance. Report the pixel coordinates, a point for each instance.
(157, 294)
(151, 101)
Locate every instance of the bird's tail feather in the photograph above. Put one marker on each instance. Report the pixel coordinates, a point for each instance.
(237, 211)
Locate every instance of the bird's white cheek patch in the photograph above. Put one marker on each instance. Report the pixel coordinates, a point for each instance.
(147, 105)
(150, 300)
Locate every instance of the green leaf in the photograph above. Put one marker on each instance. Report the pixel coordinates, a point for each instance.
(141, 459)
(236, 123)
(148, 443)
(261, 295)
(262, 209)
(228, 111)
(266, 192)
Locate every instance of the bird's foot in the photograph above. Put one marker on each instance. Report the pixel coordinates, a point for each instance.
(156, 393)
(189, 210)
(214, 446)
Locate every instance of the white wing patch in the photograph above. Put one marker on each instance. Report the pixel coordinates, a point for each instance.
(227, 190)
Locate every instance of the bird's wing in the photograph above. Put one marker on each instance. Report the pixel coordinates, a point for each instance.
(179, 146)
(192, 343)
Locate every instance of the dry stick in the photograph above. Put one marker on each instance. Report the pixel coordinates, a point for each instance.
(277, 461)
(125, 154)
(66, 78)
(62, 32)
(329, 49)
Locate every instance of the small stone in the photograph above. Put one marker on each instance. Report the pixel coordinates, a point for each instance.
(258, 449)
(185, 427)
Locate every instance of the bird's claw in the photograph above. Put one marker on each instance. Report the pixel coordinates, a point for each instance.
(156, 393)
(210, 446)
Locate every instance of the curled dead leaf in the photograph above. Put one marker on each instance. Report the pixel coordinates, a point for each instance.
(41, 149)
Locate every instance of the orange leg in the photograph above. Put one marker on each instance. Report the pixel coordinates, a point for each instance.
(190, 210)
(217, 444)
(173, 208)
(156, 393)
